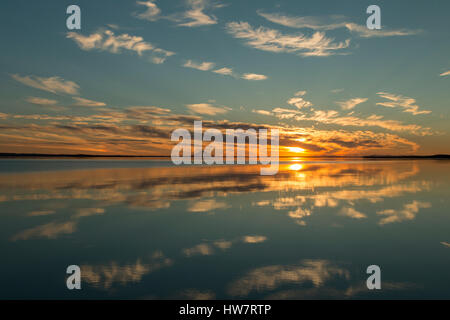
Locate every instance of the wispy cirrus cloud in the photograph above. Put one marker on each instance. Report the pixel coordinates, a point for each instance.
(253, 76)
(195, 15)
(332, 22)
(298, 100)
(333, 117)
(151, 13)
(224, 71)
(309, 22)
(54, 85)
(262, 112)
(266, 39)
(202, 66)
(208, 66)
(82, 102)
(300, 93)
(351, 103)
(398, 101)
(107, 40)
(207, 109)
(364, 32)
(41, 101)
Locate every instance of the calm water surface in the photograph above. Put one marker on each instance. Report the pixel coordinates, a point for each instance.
(147, 230)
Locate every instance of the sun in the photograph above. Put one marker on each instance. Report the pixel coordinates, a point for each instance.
(296, 149)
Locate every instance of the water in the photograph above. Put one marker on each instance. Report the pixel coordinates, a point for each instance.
(144, 229)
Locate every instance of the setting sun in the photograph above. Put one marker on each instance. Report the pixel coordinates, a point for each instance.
(296, 149)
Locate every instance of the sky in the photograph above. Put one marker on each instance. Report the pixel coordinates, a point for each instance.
(137, 70)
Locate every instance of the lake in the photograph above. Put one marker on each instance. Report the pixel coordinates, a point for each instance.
(145, 229)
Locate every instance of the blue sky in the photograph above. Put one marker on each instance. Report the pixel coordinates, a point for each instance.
(390, 82)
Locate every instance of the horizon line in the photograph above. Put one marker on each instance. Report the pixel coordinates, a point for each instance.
(12, 154)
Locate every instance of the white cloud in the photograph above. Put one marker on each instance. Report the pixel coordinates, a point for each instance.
(152, 11)
(208, 66)
(203, 66)
(332, 22)
(364, 32)
(253, 76)
(274, 41)
(300, 93)
(158, 60)
(407, 104)
(206, 108)
(316, 23)
(106, 40)
(337, 90)
(224, 71)
(52, 84)
(299, 102)
(88, 103)
(263, 112)
(350, 104)
(333, 117)
(195, 15)
(446, 73)
(42, 101)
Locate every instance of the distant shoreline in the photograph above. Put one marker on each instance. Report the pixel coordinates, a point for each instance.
(43, 155)
(434, 156)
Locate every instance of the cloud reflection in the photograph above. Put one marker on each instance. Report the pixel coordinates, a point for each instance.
(107, 275)
(299, 189)
(316, 272)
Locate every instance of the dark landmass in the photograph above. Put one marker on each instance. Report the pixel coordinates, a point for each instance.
(49, 155)
(434, 156)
